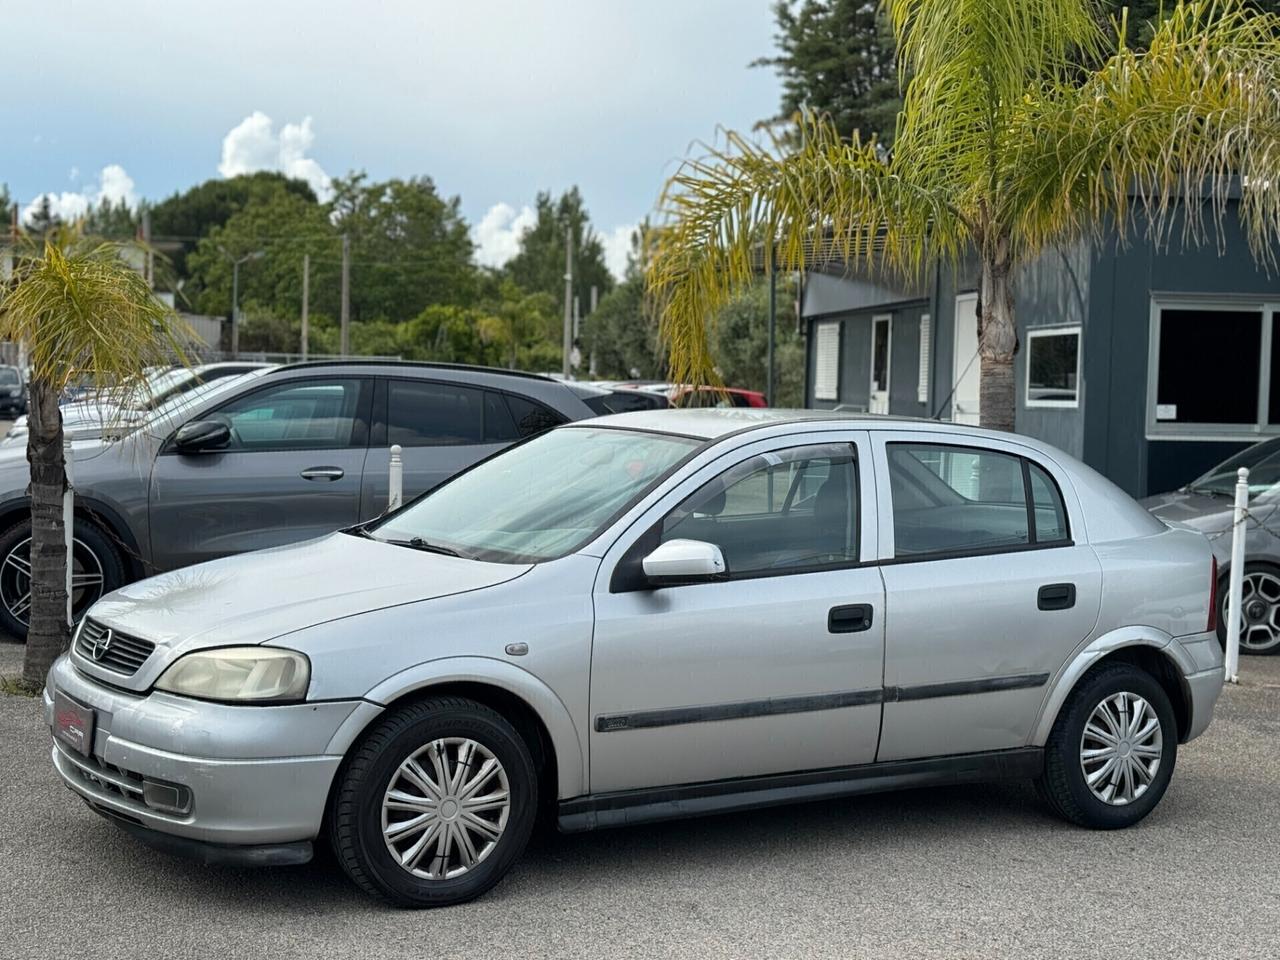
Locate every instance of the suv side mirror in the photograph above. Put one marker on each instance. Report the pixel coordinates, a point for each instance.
(200, 435)
(684, 561)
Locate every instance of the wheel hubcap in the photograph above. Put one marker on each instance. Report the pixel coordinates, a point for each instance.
(1259, 611)
(445, 808)
(87, 580)
(1121, 748)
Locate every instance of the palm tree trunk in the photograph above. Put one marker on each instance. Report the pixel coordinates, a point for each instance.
(48, 634)
(997, 344)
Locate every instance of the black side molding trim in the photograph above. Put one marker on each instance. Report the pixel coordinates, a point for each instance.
(752, 793)
(739, 710)
(961, 688)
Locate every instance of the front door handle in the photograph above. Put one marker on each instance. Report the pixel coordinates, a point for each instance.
(850, 618)
(328, 474)
(1056, 596)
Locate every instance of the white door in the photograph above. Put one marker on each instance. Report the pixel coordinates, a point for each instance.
(881, 346)
(966, 364)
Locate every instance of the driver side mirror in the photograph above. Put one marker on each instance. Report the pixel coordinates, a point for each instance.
(200, 435)
(684, 561)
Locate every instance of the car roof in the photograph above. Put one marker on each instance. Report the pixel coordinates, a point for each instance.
(710, 423)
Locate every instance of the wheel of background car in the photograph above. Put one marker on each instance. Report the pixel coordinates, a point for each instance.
(435, 804)
(97, 569)
(1112, 750)
(1259, 609)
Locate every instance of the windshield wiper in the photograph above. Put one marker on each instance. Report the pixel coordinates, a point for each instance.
(417, 543)
(1207, 491)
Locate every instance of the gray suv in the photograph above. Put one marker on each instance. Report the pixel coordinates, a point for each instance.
(265, 459)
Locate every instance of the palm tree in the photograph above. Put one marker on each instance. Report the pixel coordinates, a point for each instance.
(1023, 127)
(82, 313)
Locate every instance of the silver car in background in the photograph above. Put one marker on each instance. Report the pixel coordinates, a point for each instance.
(647, 616)
(1206, 504)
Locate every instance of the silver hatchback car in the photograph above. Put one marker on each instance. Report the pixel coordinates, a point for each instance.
(648, 616)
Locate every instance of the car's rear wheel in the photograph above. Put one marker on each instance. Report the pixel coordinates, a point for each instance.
(435, 804)
(96, 569)
(1112, 750)
(1259, 609)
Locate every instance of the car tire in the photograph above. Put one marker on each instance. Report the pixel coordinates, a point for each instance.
(379, 790)
(1266, 577)
(95, 548)
(1072, 758)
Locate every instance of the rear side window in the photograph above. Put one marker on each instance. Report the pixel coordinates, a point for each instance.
(421, 413)
(530, 417)
(958, 500)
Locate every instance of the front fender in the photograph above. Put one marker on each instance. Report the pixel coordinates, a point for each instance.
(568, 746)
(1095, 650)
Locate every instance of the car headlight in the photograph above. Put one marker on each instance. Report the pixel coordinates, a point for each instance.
(239, 675)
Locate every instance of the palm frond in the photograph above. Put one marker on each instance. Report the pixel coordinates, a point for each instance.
(722, 211)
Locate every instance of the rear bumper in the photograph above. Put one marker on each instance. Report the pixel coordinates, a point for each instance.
(1205, 688)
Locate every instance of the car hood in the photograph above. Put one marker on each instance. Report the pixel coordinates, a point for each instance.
(256, 597)
(1196, 510)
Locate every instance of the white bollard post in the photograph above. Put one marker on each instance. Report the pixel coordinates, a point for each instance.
(1236, 582)
(395, 495)
(68, 520)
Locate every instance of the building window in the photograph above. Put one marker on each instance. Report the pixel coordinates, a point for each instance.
(826, 361)
(1211, 369)
(1053, 367)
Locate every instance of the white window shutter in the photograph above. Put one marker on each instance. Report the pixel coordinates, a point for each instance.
(926, 347)
(826, 361)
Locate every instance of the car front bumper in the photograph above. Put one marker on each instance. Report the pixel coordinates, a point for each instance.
(239, 776)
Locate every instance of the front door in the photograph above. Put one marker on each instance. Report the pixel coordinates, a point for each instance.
(881, 354)
(291, 471)
(965, 362)
(776, 669)
(986, 593)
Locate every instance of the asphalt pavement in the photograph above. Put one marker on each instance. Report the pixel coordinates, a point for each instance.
(977, 872)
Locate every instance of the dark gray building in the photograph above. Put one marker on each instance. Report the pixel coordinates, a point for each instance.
(1149, 363)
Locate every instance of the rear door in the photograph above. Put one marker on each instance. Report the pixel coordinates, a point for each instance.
(292, 471)
(442, 428)
(986, 592)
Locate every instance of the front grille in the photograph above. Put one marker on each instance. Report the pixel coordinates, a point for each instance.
(116, 651)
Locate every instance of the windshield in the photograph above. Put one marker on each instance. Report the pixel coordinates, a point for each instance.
(9, 376)
(1262, 461)
(541, 499)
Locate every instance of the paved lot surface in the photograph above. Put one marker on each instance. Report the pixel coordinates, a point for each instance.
(977, 872)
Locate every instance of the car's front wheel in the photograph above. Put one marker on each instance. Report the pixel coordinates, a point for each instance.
(96, 569)
(1111, 752)
(435, 804)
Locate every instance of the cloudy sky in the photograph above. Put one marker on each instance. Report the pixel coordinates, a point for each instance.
(494, 99)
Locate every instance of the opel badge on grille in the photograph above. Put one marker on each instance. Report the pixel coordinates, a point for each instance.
(101, 644)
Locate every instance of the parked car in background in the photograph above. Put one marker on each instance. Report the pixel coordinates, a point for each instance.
(684, 395)
(1207, 504)
(648, 616)
(13, 393)
(121, 411)
(274, 456)
(604, 397)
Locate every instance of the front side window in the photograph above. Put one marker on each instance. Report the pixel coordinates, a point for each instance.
(1053, 367)
(315, 415)
(958, 500)
(778, 512)
(542, 499)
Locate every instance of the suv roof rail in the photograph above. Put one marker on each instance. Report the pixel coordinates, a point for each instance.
(417, 364)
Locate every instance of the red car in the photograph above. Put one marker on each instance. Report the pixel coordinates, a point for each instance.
(684, 395)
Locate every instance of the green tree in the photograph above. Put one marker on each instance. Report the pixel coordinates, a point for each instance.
(82, 312)
(620, 337)
(539, 266)
(524, 327)
(111, 221)
(1005, 147)
(741, 344)
(42, 221)
(410, 247)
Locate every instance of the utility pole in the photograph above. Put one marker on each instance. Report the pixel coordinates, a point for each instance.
(346, 294)
(235, 310)
(568, 300)
(773, 320)
(306, 299)
(149, 264)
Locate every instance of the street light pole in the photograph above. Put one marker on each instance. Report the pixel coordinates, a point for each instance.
(235, 295)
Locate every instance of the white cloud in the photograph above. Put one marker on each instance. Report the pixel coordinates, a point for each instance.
(253, 145)
(617, 247)
(114, 185)
(497, 235)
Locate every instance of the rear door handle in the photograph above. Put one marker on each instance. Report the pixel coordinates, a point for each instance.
(1056, 596)
(323, 473)
(850, 618)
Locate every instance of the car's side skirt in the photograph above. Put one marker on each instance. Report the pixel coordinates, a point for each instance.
(624, 807)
